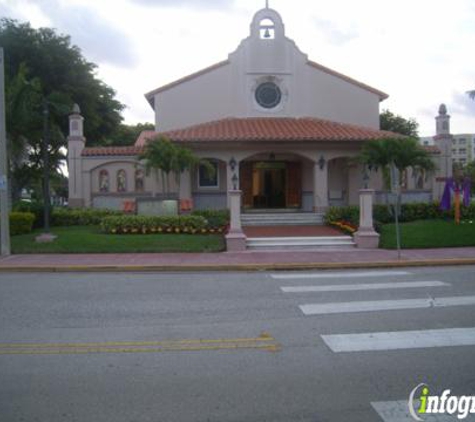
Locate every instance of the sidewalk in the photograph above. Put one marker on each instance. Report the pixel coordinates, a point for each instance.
(241, 261)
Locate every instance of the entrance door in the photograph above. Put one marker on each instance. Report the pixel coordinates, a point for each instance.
(269, 181)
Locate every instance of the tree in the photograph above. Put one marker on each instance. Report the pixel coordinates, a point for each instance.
(403, 153)
(395, 123)
(162, 157)
(128, 134)
(471, 94)
(467, 170)
(61, 68)
(42, 66)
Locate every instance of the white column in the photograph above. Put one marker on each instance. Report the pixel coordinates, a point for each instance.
(320, 187)
(184, 195)
(366, 236)
(86, 188)
(235, 239)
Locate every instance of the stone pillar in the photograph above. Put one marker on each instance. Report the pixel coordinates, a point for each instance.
(230, 172)
(366, 237)
(235, 239)
(320, 187)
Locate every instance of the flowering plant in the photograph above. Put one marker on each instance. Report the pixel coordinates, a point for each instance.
(344, 226)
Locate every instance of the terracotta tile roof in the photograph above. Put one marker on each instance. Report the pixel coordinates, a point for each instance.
(254, 129)
(110, 151)
(144, 137)
(275, 130)
(432, 149)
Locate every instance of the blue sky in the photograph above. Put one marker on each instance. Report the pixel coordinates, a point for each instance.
(419, 52)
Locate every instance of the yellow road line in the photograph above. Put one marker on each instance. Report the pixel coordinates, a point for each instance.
(263, 342)
(262, 338)
(270, 348)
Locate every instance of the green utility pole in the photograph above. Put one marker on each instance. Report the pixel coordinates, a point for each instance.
(5, 223)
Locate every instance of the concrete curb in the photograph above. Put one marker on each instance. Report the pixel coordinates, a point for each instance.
(236, 267)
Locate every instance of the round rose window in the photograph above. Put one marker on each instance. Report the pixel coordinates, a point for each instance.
(268, 95)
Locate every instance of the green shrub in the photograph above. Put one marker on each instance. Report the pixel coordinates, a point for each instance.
(80, 216)
(350, 214)
(216, 218)
(36, 208)
(21, 222)
(132, 224)
(383, 214)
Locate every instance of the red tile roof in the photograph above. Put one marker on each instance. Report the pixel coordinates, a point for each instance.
(260, 129)
(275, 130)
(109, 151)
(144, 137)
(432, 149)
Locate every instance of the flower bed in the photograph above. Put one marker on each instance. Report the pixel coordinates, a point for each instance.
(134, 224)
(344, 226)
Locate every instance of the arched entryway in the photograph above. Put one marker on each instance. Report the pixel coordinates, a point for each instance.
(273, 181)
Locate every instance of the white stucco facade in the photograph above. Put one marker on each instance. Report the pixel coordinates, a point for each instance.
(227, 89)
(291, 127)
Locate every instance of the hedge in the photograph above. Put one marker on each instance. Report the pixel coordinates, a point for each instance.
(21, 222)
(80, 217)
(216, 218)
(382, 214)
(133, 224)
(36, 208)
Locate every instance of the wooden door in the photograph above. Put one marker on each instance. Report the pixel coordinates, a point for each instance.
(294, 184)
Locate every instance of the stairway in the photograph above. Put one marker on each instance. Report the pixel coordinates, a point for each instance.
(296, 242)
(300, 243)
(284, 218)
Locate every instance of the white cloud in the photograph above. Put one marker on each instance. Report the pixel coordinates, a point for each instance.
(419, 52)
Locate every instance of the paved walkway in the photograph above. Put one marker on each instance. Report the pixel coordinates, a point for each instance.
(244, 261)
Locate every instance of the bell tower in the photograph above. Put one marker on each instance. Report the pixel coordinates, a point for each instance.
(76, 143)
(443, 140)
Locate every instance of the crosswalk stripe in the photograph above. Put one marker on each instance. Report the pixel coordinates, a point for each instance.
(339, 275)
(398, 411)
(365, 286)
(385, 305)
(400, 340)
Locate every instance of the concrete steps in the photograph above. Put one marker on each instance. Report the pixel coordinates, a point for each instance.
(300, 243)
(281, 219)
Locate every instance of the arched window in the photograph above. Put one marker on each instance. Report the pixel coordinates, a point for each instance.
(104, 181)
(139, 181)
(266, 29)
(121, 181)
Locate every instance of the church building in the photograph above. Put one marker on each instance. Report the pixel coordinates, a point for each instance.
(276, 125)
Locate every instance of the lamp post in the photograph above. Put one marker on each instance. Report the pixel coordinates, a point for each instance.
(46, 236)
(46, 196)
(5, 224)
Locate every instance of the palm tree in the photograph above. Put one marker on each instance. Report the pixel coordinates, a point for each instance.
(402, 153)
(162, 157)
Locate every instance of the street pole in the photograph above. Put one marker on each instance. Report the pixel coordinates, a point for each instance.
(396, 191)
(46, 197)
(4, 212)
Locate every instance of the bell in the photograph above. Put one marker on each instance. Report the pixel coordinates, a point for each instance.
(267, 33)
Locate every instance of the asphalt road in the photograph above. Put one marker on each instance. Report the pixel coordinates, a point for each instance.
(232, 347)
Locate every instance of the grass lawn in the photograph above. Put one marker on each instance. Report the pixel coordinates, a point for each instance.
(429, 234)
(89, 239)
